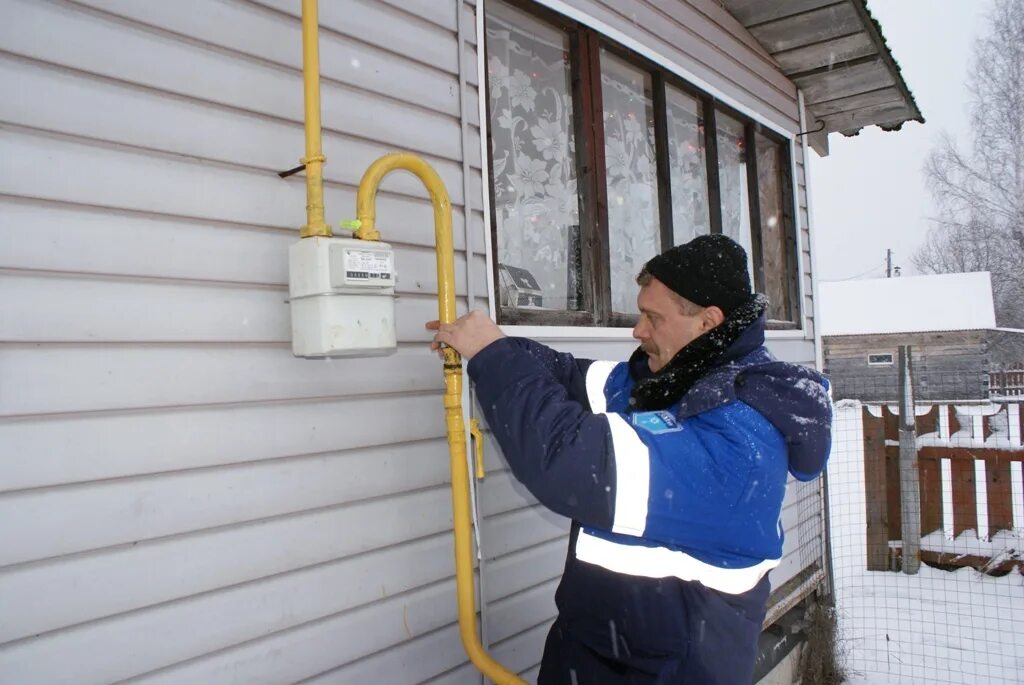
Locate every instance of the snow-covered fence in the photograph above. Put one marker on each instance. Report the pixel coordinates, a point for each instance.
(1008, 382)
(970, 459)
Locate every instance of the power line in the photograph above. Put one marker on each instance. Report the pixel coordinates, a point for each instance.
(850, 278)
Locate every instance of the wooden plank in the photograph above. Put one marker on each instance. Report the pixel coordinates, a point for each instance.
(883, 96)
(969, 454)
(931, 495)
(893, 492)
(125, 511)
(757, 11)
(828, 53)
(882, 115)
(964, 496)
(875, 486)
(61, 378)
(812, 26)
(87, 587)
(850, 80)
(41, 452)
(107, 110)
(1000, 495)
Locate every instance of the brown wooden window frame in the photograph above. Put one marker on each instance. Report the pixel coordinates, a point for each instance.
(585, 45)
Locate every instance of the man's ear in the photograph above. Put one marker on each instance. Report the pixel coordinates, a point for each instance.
(712, 317)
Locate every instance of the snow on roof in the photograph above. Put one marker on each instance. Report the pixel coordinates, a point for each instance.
(910, 304)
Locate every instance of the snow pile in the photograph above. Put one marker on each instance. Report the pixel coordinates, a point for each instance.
(933, 627)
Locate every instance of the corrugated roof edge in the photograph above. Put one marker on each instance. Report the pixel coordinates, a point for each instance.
(872, 26)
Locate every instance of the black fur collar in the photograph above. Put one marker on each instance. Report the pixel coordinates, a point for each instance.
(666, 387)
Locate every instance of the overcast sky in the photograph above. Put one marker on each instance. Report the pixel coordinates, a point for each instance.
(869, 193)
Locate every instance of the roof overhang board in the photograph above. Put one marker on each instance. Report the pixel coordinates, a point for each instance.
(834, 51)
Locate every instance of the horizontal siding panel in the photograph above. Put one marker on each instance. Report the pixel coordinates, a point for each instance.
(664, 39)
(87, 587)
(440, 12)
(169, 248)
(412, 662)
(522, 611)
(501, 492)
(108, 111)
(324, 646)
(113, 445)
(513, 531)
(94, 43)
(216, 621)
(712, 34)
(125, 511)
(385, 26)
(75, 309)
(68, 378)
(52, 168)
(524, 568)
(271, 36)
(522, 652)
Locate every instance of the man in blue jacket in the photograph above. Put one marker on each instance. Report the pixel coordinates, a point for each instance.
(672, 466)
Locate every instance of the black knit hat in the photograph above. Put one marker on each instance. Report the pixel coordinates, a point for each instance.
(708, 270)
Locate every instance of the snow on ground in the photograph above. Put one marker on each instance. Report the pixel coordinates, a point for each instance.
(933, 627)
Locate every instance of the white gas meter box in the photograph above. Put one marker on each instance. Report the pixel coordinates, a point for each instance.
(342, 295)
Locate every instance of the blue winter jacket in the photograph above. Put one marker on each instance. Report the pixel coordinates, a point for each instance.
(667, 501)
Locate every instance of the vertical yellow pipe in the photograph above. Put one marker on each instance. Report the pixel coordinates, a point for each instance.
(366, 215)
(314, 159)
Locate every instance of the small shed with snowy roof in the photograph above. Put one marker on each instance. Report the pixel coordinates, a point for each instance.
(948, 320)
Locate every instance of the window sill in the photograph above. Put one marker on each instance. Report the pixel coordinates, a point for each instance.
(603, 334)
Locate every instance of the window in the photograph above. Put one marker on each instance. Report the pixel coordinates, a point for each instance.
(880, 360)
(600, 159)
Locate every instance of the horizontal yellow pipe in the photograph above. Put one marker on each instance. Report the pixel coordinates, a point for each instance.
(366, 215)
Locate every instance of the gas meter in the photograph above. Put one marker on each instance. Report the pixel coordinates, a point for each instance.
(342, 294)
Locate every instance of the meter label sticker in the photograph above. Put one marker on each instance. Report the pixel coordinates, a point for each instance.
(367, 265)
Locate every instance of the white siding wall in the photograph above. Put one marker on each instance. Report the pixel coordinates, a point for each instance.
(180, 499)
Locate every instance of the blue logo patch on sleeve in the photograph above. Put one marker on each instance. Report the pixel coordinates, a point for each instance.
(657, 422)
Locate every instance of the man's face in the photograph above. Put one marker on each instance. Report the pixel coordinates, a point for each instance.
(663, 329)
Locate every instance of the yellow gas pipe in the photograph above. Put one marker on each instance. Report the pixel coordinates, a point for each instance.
(314, 159)
(365, 212)
(365, 229)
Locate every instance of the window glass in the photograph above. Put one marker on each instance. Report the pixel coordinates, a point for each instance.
(688, 169)
(732, 180)
(774, 250)
(634, 227)
(536, 201)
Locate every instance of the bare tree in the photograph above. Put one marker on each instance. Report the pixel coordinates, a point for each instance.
(980, 193)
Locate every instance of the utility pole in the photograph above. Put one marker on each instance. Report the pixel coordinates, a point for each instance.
(910, 483)
(888, 263)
